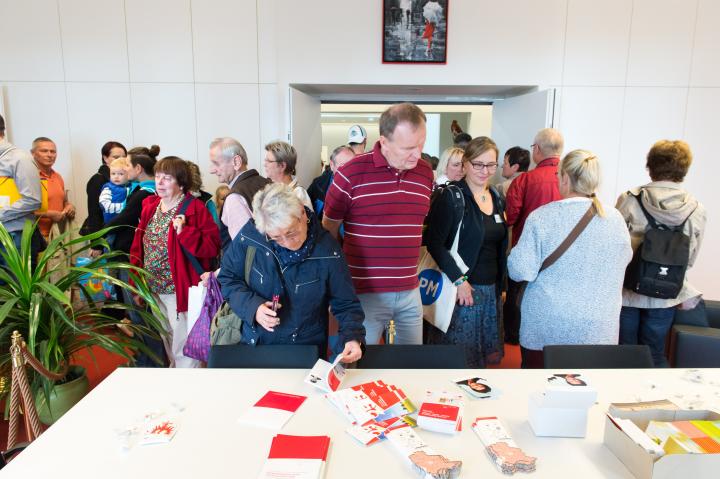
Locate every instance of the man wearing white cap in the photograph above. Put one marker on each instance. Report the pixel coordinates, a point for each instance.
(357, 139)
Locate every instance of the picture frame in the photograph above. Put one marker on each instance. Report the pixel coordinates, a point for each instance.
(415, 31)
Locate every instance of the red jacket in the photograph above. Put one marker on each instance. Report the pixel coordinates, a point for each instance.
(200, 237)
(529, 192)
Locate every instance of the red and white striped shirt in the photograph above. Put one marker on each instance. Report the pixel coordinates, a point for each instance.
(383, 211)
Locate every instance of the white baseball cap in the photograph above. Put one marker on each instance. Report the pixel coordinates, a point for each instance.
(357, 134)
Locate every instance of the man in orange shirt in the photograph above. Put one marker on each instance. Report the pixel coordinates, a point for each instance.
(44, 153)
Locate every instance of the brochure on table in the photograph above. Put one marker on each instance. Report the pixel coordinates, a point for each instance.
(423, 459)
(326, 376)
(441, 411)
(296, 457)
(561, 409)
(624, 436)
(273, 410)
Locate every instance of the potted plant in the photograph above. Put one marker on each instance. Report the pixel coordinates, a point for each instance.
(37, 302)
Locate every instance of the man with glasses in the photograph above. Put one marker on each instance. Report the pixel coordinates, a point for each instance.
(527, 193)
(382, 198)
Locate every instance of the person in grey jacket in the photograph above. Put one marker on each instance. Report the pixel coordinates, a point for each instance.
(17, 165)
(298, 270)
(576, 300)
(646, 320)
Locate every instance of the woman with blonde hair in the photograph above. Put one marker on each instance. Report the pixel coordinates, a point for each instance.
(577, 298)
(450, 167)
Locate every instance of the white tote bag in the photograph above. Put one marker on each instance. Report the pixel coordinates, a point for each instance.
(437, 291)
(196, 298)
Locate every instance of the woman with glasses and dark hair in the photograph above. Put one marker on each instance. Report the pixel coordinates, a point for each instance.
(294, 271)
(479, 271)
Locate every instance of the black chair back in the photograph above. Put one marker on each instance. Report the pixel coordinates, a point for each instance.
(597, 356)
(291, 356)
(412, 356)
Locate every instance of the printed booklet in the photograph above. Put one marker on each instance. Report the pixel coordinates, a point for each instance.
(273, 410)
(296, 457)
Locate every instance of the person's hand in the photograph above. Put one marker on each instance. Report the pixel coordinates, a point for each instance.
(94, 253)
(69, 211)
(178, 223)
(138, 300)
(351, 353)
(266, 317)
(56, 216)
(205, 276)
(464, 294)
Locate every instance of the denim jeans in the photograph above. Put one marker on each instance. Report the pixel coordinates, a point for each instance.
(404, 307)
(647, 326)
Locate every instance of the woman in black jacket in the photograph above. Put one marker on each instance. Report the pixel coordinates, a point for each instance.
(112, 150)
(477, 318)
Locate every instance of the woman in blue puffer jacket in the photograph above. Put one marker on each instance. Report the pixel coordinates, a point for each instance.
(299, 264)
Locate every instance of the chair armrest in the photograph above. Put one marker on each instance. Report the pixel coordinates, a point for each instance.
(694, 347)
(712, 309)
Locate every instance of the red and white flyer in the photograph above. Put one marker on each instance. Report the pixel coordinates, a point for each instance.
(296, 457)
(326, 376)
(441, 412)
(273, 410)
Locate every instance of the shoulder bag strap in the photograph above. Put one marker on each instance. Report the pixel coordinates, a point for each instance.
(193, 260)
(579, 227)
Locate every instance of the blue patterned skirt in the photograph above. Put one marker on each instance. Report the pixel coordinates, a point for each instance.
(477, 327)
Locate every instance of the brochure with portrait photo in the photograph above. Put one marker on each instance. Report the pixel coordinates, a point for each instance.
(477, 388)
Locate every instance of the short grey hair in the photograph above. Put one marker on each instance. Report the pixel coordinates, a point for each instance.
(550, 142)
(229, 148)
(339, 150)
(276, 206)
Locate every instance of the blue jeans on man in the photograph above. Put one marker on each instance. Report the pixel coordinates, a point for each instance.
(648, 326)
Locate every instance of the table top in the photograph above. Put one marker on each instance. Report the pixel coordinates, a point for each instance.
(210, 441)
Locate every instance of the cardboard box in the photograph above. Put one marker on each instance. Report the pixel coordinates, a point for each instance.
(644, 465)
(549, 417)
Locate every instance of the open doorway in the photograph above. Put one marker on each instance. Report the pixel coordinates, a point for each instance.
(320, 115)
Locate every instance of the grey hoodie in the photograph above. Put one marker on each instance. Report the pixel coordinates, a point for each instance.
(671, 205)
(18, 165)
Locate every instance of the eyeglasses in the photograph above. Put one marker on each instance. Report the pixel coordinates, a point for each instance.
(287, 237)
(487, 166)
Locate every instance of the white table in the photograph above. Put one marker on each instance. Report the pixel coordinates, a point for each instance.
(210, 443)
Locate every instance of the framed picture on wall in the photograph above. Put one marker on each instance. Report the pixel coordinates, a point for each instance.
(415, 31)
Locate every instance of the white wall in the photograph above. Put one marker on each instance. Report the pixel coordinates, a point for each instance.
(179, 72)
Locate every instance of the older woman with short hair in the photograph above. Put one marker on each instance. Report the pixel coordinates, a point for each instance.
(643, 319)
(280, 162)
(577, 299)
(299, 263)
(175, 231)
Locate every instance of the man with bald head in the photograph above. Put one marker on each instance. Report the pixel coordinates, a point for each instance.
(527, 193)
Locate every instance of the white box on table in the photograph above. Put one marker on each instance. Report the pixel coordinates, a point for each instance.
(548, 420)
(644, 465)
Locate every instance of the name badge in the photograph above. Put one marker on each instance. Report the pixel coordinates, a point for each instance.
(498, 218)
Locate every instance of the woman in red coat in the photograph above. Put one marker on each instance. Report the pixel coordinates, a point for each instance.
(428, 34)
(164, 241)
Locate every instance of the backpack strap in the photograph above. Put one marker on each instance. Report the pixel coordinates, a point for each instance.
(457, 199)
(193, 260)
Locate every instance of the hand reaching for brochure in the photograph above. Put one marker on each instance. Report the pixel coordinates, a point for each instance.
(351, 353)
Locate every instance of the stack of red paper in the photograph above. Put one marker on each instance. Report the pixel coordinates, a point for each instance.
(299, 457)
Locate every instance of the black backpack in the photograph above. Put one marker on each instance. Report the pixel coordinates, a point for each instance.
(658, 265)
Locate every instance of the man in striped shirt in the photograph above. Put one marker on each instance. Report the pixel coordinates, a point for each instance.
(382, 198)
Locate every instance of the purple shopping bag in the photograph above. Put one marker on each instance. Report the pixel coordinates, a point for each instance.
(197, 345)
